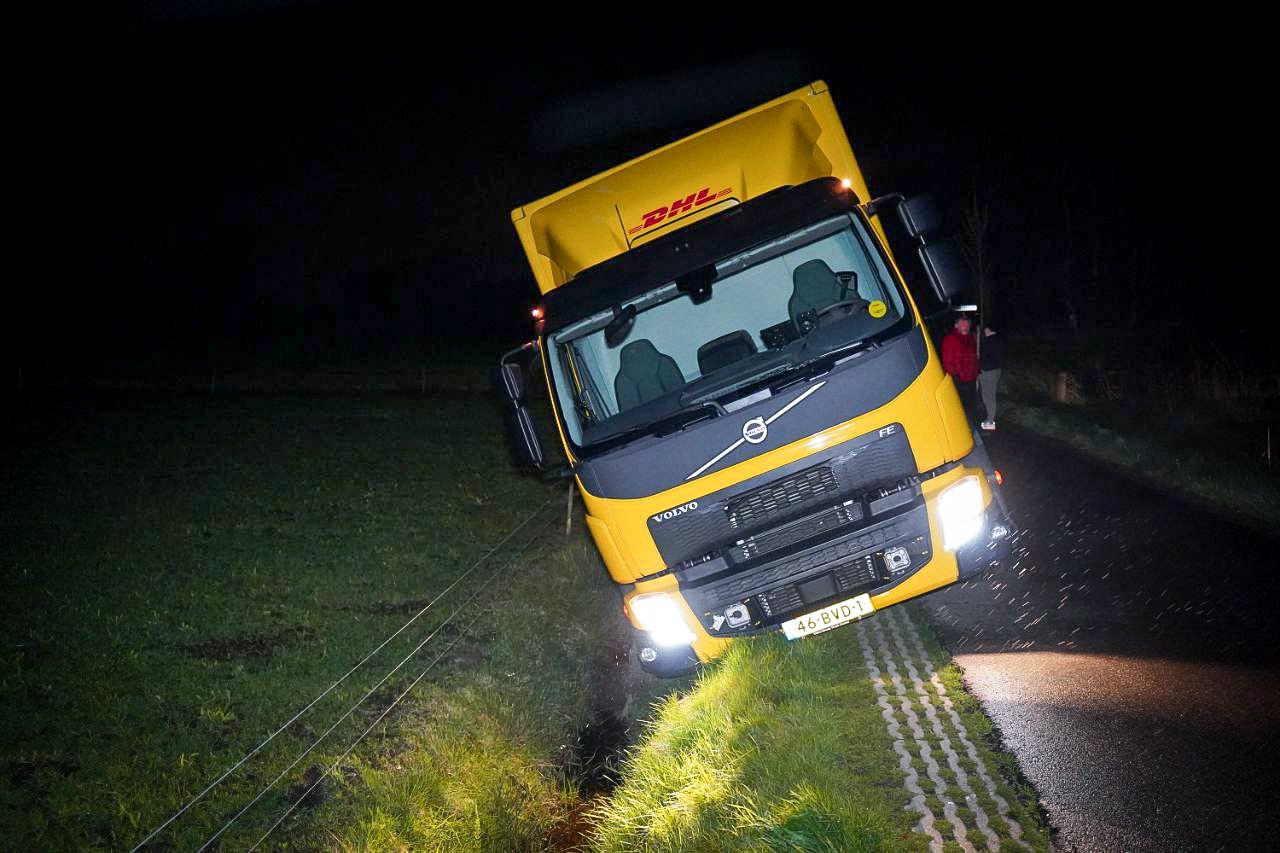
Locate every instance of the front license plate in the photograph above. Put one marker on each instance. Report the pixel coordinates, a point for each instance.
(832, 616)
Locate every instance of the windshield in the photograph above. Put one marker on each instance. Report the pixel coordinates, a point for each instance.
(687, 356)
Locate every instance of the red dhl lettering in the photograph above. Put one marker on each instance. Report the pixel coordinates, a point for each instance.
(679, 207)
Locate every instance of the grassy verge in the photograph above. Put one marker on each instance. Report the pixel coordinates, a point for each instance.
(1198, 432)
(182, 575)
(781, 746)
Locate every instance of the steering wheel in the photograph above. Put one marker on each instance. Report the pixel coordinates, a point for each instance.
(844, 304)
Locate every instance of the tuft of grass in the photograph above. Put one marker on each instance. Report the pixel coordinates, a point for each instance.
(777, 746)
(782, 746)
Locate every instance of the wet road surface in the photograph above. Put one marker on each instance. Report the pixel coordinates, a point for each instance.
(1128, 653)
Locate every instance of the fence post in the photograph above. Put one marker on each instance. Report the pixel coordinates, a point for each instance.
(1060, 387)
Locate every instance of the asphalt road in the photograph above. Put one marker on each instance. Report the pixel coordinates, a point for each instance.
(1128, 653)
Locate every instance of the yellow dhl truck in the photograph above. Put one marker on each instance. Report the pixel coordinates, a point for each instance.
(748, 399)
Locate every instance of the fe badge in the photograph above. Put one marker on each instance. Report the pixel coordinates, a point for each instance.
(877, 309)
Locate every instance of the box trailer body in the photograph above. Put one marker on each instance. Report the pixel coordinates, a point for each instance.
(747, 397)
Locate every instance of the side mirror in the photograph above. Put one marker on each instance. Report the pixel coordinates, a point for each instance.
(920, 216)
(524, 437)
(946, 267)
(510, 385)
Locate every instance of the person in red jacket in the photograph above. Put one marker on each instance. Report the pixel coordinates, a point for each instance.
(960, 360)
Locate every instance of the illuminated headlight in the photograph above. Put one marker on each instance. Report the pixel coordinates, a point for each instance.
(660, 615)
(960, 510)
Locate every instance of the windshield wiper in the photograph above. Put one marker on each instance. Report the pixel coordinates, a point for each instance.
(805, 365)
(668, 423)
(728, 380)
(835, 353)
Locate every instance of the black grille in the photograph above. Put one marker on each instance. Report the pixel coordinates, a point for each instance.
(784, 599)
(738, 587)
(722, 518)
(759, 506)
(798, 530)
(858, 575)
(853, 577)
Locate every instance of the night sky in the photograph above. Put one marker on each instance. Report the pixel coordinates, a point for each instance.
(304, 182)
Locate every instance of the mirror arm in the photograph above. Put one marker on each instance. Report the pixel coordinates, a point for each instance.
(510, 354)
(872, 208)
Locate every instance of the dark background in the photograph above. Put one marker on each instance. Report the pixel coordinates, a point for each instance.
(304, 182)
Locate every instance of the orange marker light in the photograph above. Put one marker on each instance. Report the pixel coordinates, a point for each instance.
(537, 313)
(846, 183)
(999, 477)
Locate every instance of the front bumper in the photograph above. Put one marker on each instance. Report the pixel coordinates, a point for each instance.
(886, 542)
(988, 549)
(665, 661)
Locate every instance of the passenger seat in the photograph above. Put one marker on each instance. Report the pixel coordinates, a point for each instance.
(645, 374)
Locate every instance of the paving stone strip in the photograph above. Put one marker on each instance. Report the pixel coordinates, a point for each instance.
(911, 779)
(890, 641)
(1002, 805)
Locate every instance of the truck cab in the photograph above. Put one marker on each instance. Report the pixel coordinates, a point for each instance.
(745, 391)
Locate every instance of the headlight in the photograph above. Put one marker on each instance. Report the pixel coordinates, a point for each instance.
(660, 615)
(960, 510)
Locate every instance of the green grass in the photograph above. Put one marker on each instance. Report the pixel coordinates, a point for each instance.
(780, 746)
(182, 575)
(1200, 432)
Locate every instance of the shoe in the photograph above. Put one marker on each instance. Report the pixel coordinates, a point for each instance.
(989, 426)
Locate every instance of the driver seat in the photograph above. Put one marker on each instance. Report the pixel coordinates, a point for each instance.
(644, 374)
(814, 287)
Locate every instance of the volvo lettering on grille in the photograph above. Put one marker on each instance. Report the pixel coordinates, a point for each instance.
(673, 512)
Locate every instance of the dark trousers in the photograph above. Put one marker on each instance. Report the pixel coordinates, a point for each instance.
(969, 399)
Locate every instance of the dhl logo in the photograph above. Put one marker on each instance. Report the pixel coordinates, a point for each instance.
(679, 207)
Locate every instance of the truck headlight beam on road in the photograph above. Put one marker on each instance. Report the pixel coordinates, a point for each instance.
(960, 510)
(659, 614)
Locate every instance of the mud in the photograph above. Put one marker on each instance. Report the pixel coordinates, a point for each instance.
(591, 760)
(23, 770)
(596, 754)
(307, 793)
(249, 646)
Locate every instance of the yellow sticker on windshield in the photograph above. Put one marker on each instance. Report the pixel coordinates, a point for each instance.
(877, 309)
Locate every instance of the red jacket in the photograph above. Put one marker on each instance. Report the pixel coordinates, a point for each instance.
(960, 356)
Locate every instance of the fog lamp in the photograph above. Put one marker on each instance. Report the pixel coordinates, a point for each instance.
(659, 615)
(960, 511)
